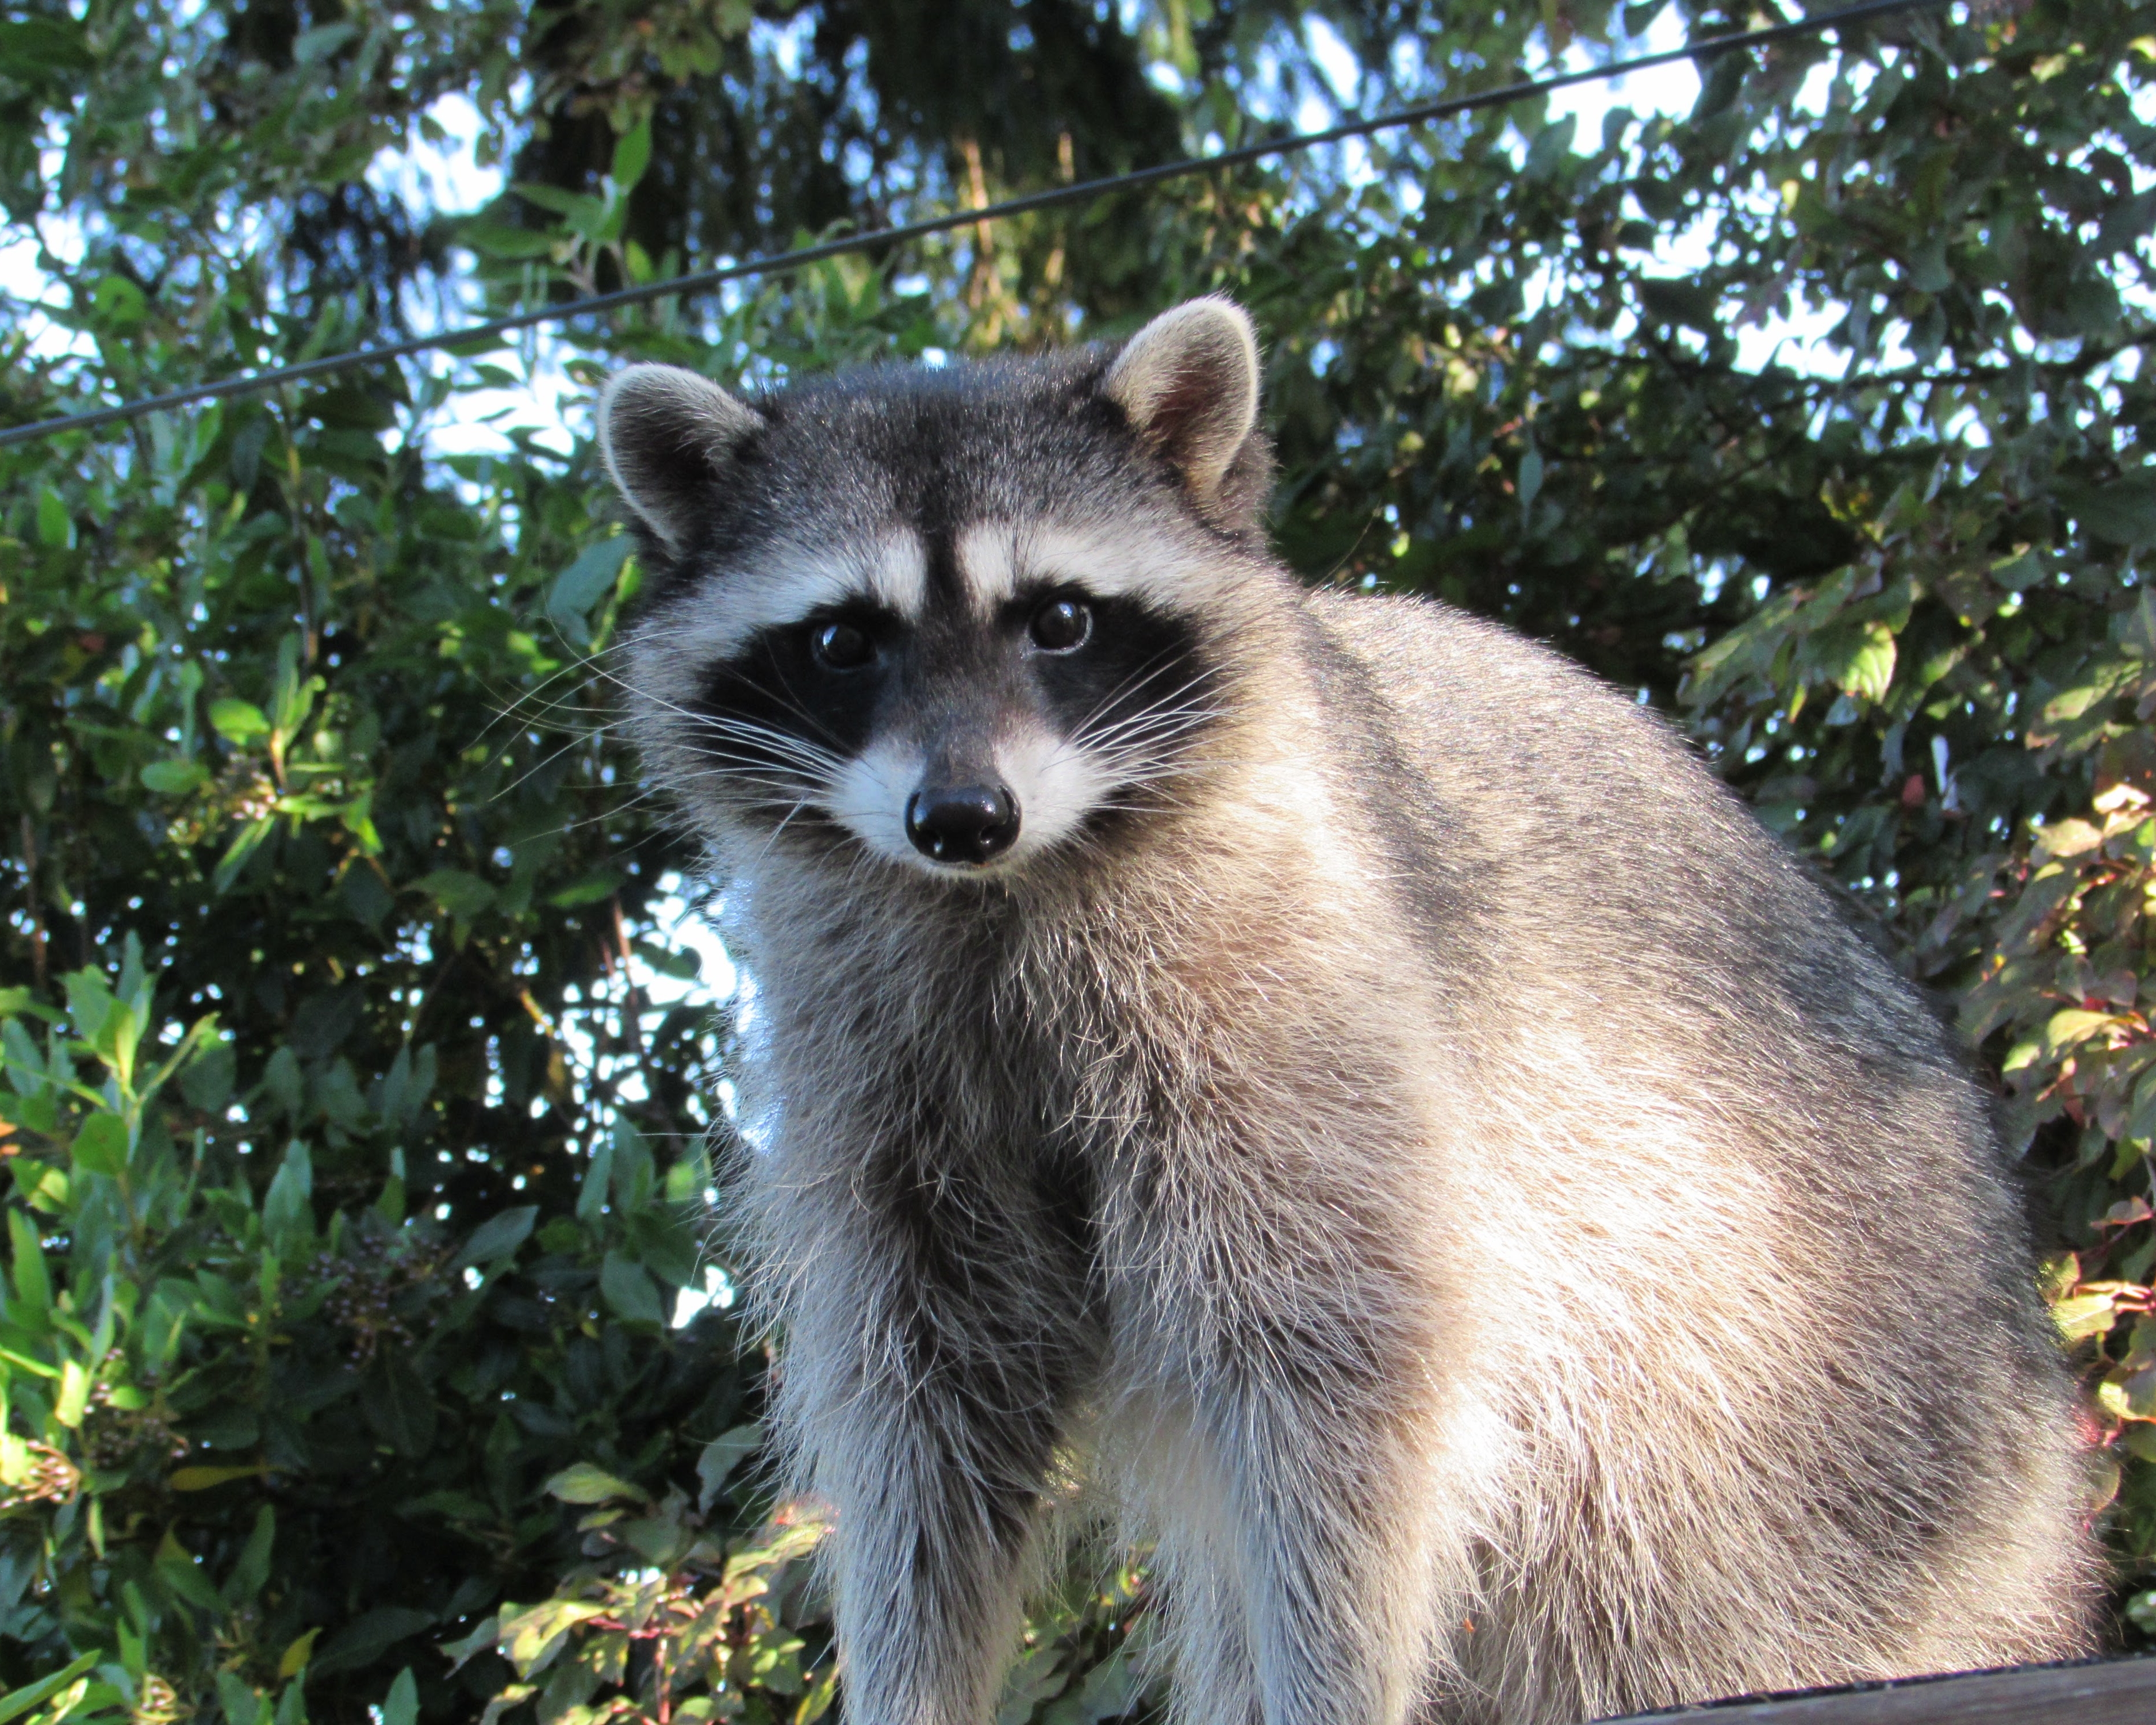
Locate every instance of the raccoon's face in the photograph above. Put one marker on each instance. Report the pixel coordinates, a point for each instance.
(957, 621)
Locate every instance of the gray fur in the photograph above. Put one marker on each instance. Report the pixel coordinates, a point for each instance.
(1415, 1143)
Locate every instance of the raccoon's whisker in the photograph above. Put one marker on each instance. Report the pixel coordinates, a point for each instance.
(650, 795)
(790, 789)
(747, 754)
(1121, 695)
(1137, 679)
(778, 743)
(594, 721)
(769, 743)
(574, 742)
(1155, 732)
(1199, 708)
(788, 820)
(723, 722)
(694, 717)
(579, 667)
(1095, 733)
(789, 702)
(764, 752)
(750, 769)
(1139, 734)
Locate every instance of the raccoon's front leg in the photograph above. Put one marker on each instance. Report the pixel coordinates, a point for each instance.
(1313, 1544)
(929, 1564)
(928, 1379)
(1334, 1553)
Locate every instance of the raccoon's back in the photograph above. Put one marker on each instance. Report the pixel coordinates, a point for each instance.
(1717, 1137)
(1572, 840)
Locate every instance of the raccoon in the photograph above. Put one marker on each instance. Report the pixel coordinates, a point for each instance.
(1319, 1066)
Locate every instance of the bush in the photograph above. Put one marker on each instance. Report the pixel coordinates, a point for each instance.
(358, 1094)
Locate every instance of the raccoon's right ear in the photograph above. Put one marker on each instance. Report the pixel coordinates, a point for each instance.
(666, 436)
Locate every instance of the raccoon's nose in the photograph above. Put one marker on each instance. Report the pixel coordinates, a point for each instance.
(962, 824)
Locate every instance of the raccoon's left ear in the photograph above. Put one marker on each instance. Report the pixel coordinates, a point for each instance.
(1188, 382)
(667, 436)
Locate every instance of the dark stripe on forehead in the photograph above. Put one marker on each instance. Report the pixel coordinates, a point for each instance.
(936, 510)
(946, 596)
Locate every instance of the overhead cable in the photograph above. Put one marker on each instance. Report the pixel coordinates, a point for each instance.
(1081, 192)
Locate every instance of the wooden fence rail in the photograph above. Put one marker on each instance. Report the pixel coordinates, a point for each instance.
(2115, 1692)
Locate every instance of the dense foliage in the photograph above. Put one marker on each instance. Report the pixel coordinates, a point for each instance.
(357, 1163)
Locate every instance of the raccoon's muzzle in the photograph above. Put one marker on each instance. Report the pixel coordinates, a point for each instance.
(970, 823)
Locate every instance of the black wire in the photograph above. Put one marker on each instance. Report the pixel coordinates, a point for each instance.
(1082, 192)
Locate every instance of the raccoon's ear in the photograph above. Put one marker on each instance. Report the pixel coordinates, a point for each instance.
(666, 435)
(1188, 382)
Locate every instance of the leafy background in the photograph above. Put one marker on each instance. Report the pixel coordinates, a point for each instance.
(363, 1351)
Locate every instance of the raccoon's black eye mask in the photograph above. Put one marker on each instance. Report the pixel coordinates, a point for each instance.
(1084, 667)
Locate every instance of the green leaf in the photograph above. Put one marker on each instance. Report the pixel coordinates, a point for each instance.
(253, 1570)
(2082, 1315)
(630, 1290)
(55, 526)
(239, 722)
(583, 1483)
(33, 48)
(312, 47)
(1870, 670)
(531, 1638)
(90, 1002)
(1530, 482)
(288, 1212)
(175, 778)
(402, 1408)
(401, 1707)
(1692, 305)
(297, 1652)
(2064, 1030)
(206, 1082)
(2018, 573)
(1111, 1690)
(202, 1479)
(18, 1701)
(586, 582)
(26, 1265)
(498, 1236)
(592, 1194)
(101, 1146)
(240, 853)
(119, 304)
(459, 892)
(632, 154)
(2123, 511)
(720, 1456)
(73, 1401)
(459, 1651)
(367, 1638)
(177, 1569)
(593, 888)
(500, 240)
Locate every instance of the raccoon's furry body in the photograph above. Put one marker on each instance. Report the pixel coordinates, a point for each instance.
(1384, 1109)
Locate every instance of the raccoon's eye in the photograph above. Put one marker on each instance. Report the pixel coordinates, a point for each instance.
(1060, 624)
(842, 647)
